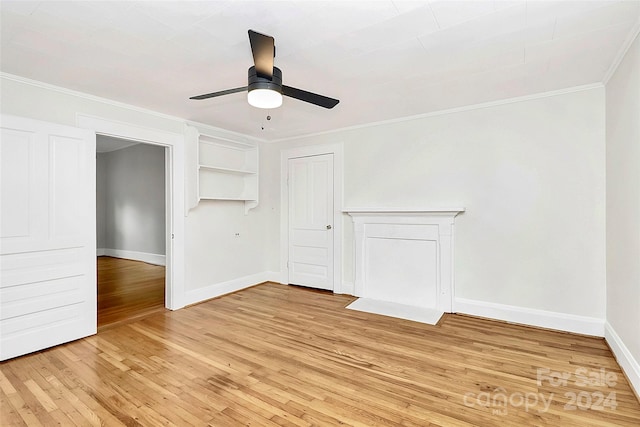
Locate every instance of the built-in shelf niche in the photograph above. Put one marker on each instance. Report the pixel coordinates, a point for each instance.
(225, 169)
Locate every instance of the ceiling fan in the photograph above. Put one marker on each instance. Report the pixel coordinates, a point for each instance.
(265, 88)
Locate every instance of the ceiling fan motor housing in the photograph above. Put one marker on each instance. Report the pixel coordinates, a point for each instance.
(258, 82)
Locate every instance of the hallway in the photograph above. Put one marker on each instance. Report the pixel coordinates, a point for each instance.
(128, 290)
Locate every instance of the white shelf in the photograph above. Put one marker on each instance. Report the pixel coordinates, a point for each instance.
(227, 170)
(228, 198)
(223, 169)
(226, 142)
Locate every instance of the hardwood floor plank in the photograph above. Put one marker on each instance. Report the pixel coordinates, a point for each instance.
(278, 355)
(128, 290)
(9, 416)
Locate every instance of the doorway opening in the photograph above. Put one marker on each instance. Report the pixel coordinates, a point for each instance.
(173, 143)
(131, 229)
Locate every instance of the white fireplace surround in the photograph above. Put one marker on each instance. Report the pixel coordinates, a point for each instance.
(404, 260)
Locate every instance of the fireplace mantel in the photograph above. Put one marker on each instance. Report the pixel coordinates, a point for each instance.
(405, 256)
(404, 211)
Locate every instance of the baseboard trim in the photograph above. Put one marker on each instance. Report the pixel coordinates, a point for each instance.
(271, 276)
(627, 362)
(218, 289)
(347, 288)
(531, 317)
(156, 259)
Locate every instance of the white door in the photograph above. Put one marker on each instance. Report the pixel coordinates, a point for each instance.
(310, 183)
(47, 235)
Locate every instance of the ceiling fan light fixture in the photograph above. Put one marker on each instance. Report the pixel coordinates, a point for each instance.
(264, 98)
(265, 91)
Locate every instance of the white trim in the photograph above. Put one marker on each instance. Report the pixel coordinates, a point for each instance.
(87, 96)
(271, 276)
(338, 166)
(627, 362)
(405, 211)
(622, 52)
(218, 289)
(531, 317)
(181, 121)
(129, 131)
(489, 104)
(347, 288)
(175, 244)
(480, 106)
(407, 225)
(224, 134)
(156, 259)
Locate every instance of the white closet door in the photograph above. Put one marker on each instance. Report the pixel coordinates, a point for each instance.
(311, 221)
(47, 235)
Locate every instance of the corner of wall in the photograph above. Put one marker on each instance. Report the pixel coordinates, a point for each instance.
(622, 225)
(627, 362)
(218, 289)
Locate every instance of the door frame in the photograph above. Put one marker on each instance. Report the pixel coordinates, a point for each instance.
(175, 193)
(309, 151)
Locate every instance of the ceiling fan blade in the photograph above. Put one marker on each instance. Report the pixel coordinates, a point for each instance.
(220, 93)
(263, 50)
(313, 98)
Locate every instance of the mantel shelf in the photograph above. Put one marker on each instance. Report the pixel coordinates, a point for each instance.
(404, 211)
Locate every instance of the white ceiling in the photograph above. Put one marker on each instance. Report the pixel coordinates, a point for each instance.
(383, 59)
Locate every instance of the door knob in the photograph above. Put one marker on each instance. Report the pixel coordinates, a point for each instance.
(328, 227)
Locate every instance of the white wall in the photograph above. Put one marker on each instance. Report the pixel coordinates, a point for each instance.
(208, 230)
(532, 177)
(623, 212)
(213, 226)
(133, 199)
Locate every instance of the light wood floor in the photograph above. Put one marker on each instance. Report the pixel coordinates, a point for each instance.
(282, 355)
(128, 290)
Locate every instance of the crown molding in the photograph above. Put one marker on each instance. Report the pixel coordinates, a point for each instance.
(87, 96)
(223, 133)
(119, 104)
(471, 107)
(622, 53)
